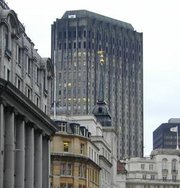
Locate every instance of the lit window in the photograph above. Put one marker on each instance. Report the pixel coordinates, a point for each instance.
(66, 146)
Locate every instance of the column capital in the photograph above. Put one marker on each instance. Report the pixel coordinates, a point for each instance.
(2, 101)
(30, 124)
(39, 131)
(9, 108)
(20, 116)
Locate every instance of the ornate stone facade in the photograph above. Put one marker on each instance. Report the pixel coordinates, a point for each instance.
(25, 97)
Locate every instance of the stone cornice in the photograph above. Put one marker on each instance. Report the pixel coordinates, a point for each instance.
(15, 98)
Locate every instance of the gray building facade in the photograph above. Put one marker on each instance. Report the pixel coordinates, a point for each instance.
(25, 96)
(76, 39)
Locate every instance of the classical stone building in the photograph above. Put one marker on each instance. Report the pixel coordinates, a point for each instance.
(160, 170)
(25, 97)
(74, 158)
(76, 39)
(104, 138)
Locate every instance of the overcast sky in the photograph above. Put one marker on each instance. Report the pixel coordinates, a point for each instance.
(159, 22)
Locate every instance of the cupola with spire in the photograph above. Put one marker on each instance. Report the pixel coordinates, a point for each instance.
(100, 110)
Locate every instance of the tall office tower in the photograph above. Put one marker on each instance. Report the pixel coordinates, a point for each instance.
(76, 39)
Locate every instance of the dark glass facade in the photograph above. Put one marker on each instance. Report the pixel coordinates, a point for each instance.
(76, 39)
(164, 138)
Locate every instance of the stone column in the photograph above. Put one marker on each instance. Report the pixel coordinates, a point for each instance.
(20, 152)
(9, 148)
(1, 143)
(46, 161)
(38, 160)
(29, 156)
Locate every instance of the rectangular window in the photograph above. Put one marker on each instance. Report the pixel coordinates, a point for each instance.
(18, 82)
(66, 169)
(82, 170)
(150, 166)
(173, 178)
(28, 92)
(37, 75)
(28, 65)
(84, 33)
(82, 149)
(6, 39)
(37, 100)
(8, 75)
(45, 109)
(142, 166)
(66, 146)
(74, 45)
(152, 177)
(144, 176)
(18, 53)
(62, 127)
(84, 44)
(76, 128)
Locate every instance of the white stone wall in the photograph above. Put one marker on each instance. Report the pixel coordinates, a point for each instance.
(151, 172)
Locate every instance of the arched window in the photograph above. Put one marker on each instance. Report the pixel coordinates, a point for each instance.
(164, 164)
(174, 165)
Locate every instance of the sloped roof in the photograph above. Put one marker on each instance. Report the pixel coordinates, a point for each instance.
(88, 14)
